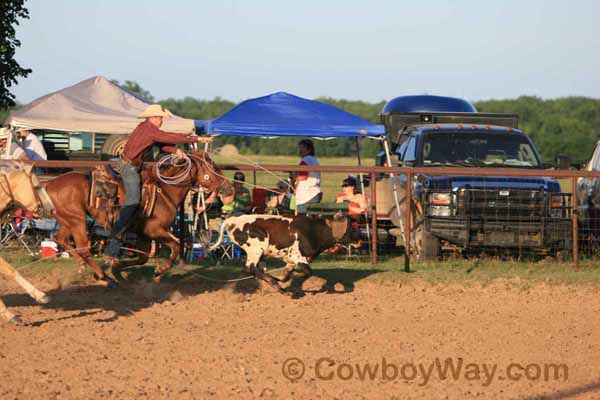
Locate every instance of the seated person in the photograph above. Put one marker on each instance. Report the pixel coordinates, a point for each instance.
(357, 203)
(280, 202)
(242, 201)
(9, 150)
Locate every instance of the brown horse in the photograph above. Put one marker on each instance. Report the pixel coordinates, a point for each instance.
(69, 193)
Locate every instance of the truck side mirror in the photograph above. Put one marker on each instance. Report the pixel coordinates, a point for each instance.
(548, 165)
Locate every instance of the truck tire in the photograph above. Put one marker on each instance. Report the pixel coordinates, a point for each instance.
(427, 246)
(114, 145)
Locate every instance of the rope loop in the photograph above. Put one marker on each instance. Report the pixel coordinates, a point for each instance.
(172, 159)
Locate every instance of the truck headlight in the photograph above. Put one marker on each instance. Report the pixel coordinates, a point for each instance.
(440, 211)
(440, 205)
(441, 199)
(557, 206)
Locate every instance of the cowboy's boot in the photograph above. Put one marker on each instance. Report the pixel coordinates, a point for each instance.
(126, 214)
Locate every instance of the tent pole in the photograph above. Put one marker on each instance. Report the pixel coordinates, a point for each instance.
(362, 190)
(358, 150)
(394, 188)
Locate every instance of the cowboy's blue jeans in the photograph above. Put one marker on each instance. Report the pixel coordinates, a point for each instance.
(131, 183)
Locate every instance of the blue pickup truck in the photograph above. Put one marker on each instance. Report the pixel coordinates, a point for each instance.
(472, 213)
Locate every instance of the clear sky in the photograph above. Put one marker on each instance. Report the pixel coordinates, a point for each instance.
(360, 50)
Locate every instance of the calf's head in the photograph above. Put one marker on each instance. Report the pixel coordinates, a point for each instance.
(341, 229)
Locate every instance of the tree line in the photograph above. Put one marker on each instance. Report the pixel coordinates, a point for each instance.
(569, 125)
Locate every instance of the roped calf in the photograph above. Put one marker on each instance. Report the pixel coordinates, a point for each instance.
(297, 241)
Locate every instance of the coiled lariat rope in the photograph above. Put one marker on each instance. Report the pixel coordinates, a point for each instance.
(172, 159)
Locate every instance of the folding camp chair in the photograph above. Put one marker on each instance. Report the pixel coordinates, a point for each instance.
(227, 250)
(22, 231)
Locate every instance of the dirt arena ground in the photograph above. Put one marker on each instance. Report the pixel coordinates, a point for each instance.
(187, 340)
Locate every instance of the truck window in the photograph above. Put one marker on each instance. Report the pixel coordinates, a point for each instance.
(410, 155)
(402, 147)
(478, 149)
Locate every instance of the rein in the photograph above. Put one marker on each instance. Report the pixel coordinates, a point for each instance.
(35, 188)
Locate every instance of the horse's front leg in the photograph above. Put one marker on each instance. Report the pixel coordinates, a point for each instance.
(82, 243)
(62, 238)
(158, 232)
(7, 270)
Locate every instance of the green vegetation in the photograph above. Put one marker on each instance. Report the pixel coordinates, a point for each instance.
(10, 13)
(330, 182)
(389, 270)
(566, 125)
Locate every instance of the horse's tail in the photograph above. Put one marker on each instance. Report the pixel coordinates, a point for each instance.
(220, 239)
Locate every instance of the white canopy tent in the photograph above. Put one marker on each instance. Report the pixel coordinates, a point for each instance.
(95, 105)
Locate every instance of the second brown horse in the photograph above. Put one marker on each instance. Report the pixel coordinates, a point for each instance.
(69, 193)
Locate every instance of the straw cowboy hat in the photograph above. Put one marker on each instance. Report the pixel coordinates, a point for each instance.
(155, 110)
(4, 133)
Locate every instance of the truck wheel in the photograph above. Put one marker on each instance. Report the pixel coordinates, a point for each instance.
(114, 145)
(427, 245)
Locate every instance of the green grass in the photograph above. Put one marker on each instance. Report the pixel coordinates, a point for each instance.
(330, 182)
(388, 271)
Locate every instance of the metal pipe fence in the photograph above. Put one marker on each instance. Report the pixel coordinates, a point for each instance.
(579, 211)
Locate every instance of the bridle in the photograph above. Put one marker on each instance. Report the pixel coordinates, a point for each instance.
(200, 161)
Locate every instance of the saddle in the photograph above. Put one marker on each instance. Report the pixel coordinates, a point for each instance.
(107, 193)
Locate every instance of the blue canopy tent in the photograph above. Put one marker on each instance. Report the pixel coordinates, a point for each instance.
(283, 114)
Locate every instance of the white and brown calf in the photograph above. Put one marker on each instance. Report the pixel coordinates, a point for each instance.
(297, 241)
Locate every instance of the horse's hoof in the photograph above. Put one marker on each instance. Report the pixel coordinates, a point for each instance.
(45, 299)
(111, 284)
(106, 282)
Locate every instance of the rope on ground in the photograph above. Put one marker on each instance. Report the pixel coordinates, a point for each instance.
(205, 277)
(28, 265)
(208, 278)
